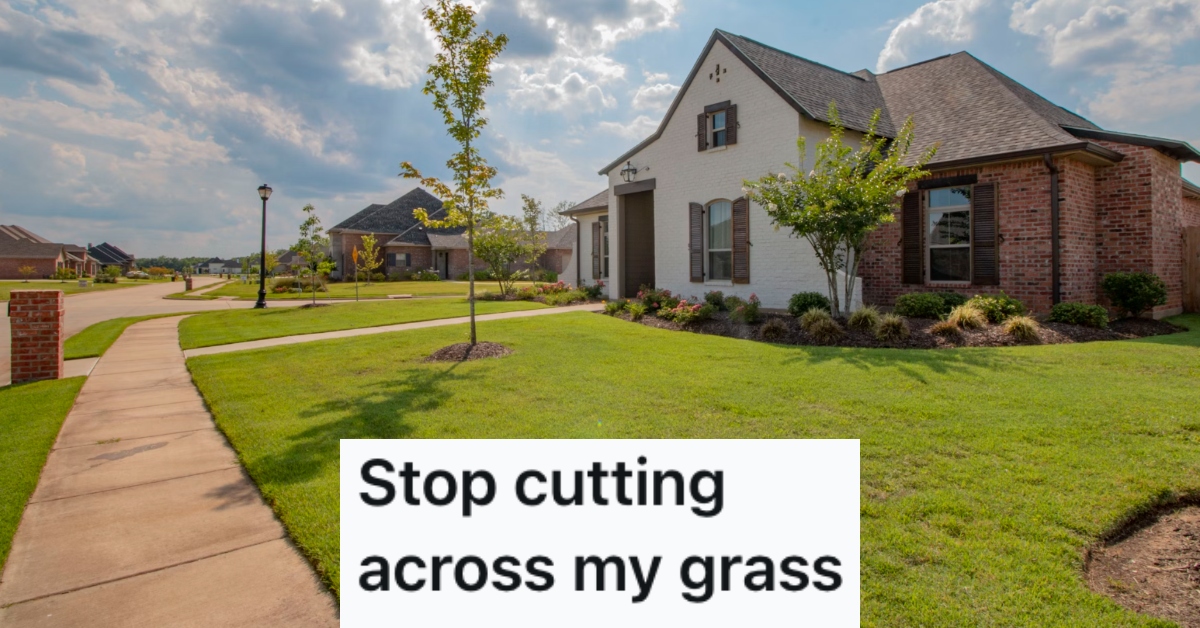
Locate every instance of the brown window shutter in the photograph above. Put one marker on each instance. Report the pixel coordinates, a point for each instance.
(731, 127)
(696, 241)
(597, 248)
(702, 132)
(741, 240)
(985, 262)
(913, 263)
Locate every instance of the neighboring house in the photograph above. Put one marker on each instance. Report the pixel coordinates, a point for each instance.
(985, 220)
(288, 262)
(217, 266)
(110, 255)
(559, 245)
(20, 247)
(590, 219)
(404, 243)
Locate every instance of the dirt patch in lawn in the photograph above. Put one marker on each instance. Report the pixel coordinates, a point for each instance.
(1154, 569)
(920, 336)
(463, 351)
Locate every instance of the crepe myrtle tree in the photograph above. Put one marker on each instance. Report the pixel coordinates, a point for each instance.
(368, 257)
(850, 192)
(502, 242)
(458, 77)
(311, 248)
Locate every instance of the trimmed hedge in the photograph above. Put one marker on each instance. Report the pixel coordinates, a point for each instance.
(1079, 314)
(1134, 293)
(920, 305)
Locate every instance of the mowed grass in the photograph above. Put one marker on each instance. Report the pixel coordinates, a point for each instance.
(94, 340)
(30, 416)
(985, 472)
(377, 290)
(229, 326)
(67, 287)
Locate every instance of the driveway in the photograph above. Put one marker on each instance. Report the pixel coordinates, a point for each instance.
(84, 310)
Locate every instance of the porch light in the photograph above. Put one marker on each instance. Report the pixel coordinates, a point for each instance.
(629, 172)
(264, 191)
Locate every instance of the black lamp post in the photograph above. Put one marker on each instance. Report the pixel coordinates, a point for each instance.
(264, 192)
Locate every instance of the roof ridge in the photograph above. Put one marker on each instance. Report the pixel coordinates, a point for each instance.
(791, 54)
(931, 60)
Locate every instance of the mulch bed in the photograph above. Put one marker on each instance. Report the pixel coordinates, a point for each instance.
(463, 351)
(1155, 570)
(920, 337)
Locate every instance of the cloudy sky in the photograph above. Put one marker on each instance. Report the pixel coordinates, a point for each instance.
(149, 123)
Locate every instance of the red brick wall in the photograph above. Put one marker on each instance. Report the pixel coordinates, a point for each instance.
(36, 319)
(422, 257)
(1077, 225)
(1190, 215)
(9, 268)
(1023, 215)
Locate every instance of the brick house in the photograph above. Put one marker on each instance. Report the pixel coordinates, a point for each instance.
(405, 244)
(107, 255)
(1024, 196)
(21, 248)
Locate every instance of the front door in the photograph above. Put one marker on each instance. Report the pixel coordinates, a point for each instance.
(442, 263)
(637, 231)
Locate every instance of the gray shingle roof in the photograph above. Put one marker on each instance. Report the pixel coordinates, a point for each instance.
(599, 201)
(972, 109)
(107, 253)
(20, 233)
(814, 86)
(397, 218)
(13, 248)
(562, 239)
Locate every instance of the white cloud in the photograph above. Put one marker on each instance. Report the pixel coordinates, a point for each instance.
(1094, 35)
(639, 129)
(1138, 94)
(104, 95)
(545, 176)
(655, 94)
(939, 22)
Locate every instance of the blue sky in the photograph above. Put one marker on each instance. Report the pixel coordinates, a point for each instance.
(149, 123)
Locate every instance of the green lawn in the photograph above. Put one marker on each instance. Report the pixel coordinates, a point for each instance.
(985, 472)
(68, 287)
(30, 415)
(94, 340)
(377, 290)
(228, 326)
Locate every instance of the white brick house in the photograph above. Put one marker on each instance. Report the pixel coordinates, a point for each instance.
(649, 218)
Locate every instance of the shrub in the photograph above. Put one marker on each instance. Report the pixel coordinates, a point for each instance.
(802, 302)
(775, 329)
(825, 330)
(612, 308)
(428, 274)
(997, 307)
(636, 310)
(920, 305)
(1022, 328)
(1134, 293)
(685, 313)
(743, 311)
(865, 318)
(891, 328)
(814, 316)
(395, 276)
(951, 300)
(565, 298)
(656, 300)
(716, 298)
(593, 291)
(967, 317)
(1079, 314)
(545, 275)
(481, 274)
(488, 295)
(946, 329)
(526, 293)
(64, 274)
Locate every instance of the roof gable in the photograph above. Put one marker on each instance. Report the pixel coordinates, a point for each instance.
(397, 218)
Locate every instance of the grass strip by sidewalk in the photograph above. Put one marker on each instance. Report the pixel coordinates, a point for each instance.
(377, 290)
(230, 326)
(94, 340)
(985, 472)
(30, 417)
(67, 287)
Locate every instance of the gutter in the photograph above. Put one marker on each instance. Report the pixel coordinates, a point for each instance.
(1055, 244)
(575, 253)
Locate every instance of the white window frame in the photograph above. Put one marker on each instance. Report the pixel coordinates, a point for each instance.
(604, 249)
(713, 129)
(708, 250)
(929, 246)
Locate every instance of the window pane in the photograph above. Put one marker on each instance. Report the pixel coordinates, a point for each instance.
(719, 138)
(719, 120)
(949, 228)
(720, 226)
(949, 197)
(950, 264)
(720, 265)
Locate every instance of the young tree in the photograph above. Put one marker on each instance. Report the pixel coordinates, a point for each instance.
(503, 241)
(368, 256)
(849, 193)
(531, 209)
(312, 246)
(459, 75)
(250, 263)
(27, 272)
(553, 220)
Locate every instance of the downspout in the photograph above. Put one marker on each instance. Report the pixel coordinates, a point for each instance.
(1055, 246)
(575, 253)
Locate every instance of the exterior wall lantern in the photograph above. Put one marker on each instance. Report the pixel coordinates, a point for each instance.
(628, 173)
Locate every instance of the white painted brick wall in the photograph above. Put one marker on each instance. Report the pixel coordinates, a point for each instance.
(585, 255)
(780, 264)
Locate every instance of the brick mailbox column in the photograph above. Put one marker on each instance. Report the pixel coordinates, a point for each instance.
(36, 320)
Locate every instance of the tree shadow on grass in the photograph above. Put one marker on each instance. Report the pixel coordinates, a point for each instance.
(383, 410)
(914, 364)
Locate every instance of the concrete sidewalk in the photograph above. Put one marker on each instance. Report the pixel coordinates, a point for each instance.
(143, 516)
(366, 331)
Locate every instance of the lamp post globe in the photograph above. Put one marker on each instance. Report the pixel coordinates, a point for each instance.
(264, 192)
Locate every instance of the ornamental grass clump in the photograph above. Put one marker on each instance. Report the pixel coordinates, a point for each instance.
(814, 316)
(774, 330)
(892, 328)
(825, 330)
(865, 318)
(945, 329)
(1022, 328)
(967, 317)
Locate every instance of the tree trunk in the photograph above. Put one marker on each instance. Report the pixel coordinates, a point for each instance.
(471, 267)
